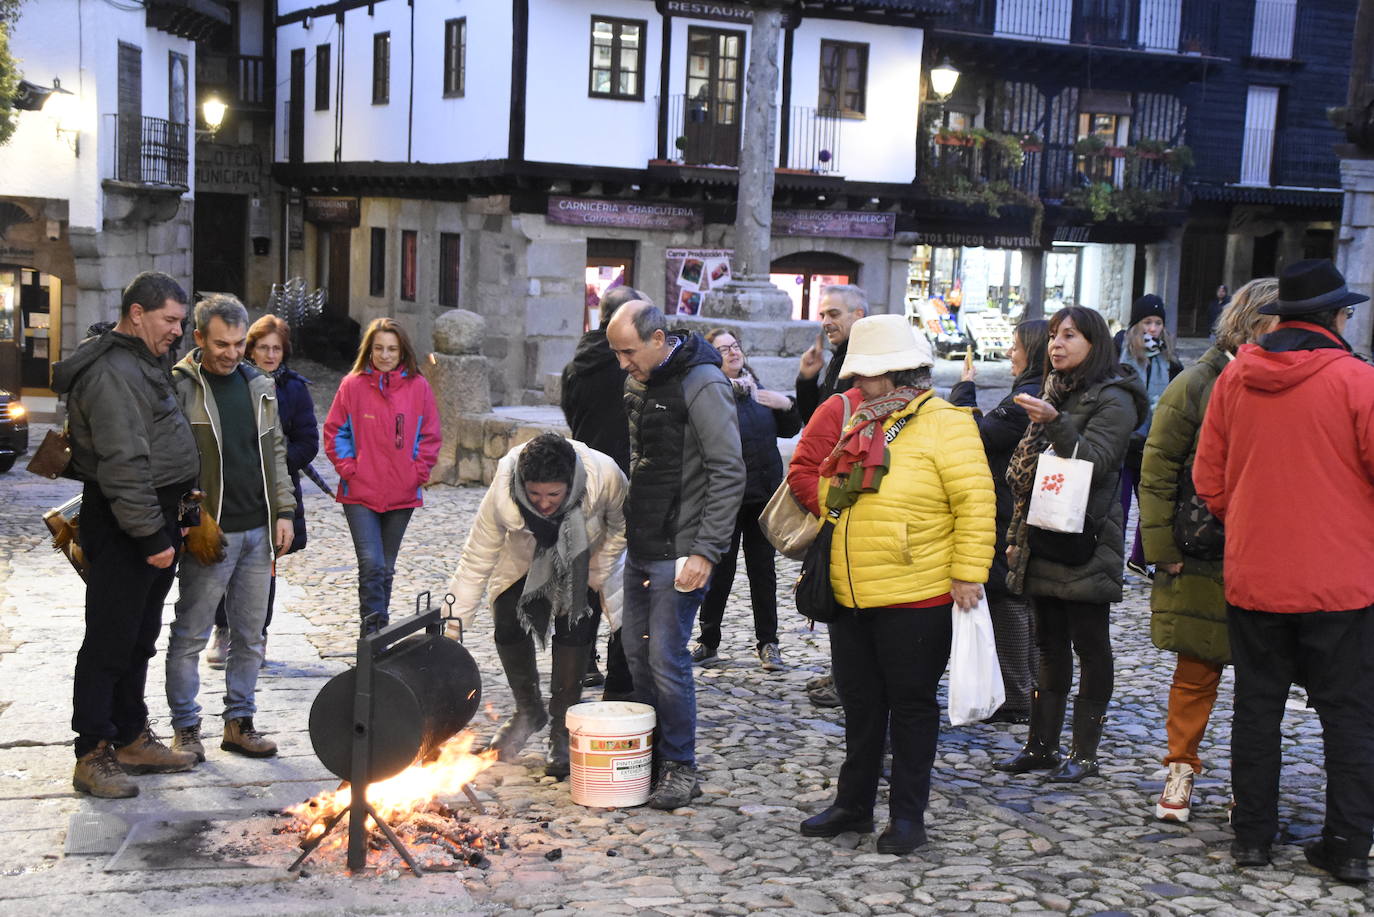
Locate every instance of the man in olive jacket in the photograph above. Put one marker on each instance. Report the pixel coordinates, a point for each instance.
(132, 449)
(246, 521)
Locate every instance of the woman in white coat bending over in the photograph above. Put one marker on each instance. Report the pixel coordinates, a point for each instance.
(549, 533)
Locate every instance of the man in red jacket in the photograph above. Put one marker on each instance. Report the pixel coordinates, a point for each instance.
(1286, 460)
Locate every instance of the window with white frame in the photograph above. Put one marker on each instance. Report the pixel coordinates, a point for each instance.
(1272, 36)
(1257, 148)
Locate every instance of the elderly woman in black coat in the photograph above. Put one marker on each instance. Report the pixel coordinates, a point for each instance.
(764, 415)
(1001, 429)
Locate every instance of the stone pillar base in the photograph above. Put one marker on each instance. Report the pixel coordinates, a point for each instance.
(747, 299)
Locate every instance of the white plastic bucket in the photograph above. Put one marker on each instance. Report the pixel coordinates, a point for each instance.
(610, 745)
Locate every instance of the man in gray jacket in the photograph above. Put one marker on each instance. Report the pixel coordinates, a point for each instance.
(686, 482)
(250, 502)
(132, 449)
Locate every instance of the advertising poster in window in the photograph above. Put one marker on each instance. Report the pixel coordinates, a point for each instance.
(692, 272)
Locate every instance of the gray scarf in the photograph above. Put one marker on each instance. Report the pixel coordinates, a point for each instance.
(556, 584)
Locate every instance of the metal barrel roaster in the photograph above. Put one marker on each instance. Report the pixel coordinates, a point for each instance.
(424, 689)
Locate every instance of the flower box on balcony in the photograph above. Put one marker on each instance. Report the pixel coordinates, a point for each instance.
(1032, 147)
(1116, 152)
(949, 140)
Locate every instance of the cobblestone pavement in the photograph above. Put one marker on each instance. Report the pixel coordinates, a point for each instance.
(999, 844)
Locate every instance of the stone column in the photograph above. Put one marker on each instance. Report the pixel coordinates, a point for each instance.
(1162, 263)
(1033, 283)
(1355, 245)
(750, 295)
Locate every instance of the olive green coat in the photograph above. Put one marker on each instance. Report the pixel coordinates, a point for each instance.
(1188, 611)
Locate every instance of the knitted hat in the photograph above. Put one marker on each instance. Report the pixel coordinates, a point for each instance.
(1147, 306)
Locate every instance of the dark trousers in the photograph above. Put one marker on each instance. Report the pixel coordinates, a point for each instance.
(887, 664)
(763, 581)
(1063, 628)
(1016, 652)
(222, 619)
(618, 680)
(124, 599)
(507, 629)
(1130, 487)
(1334, 652)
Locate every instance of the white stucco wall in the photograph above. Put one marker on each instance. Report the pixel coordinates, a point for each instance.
(881, 147)
(475, 126)
(563, 123)
(83, 54)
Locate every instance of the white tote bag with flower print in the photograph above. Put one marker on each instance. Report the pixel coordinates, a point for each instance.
(1059, 497)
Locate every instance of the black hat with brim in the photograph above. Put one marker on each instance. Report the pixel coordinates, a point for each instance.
(1313, 285)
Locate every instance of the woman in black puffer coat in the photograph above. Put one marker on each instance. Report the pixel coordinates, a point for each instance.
(764, 415)
(1090, 406)
(1001, 429)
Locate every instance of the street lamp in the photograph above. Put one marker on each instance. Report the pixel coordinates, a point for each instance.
(212, 109)
(62, 106)
(943, 79)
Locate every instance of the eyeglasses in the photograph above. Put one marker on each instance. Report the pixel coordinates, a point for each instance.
(727, 348)
(1349, 311)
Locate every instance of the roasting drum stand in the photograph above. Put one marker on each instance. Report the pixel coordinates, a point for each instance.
(428, 688)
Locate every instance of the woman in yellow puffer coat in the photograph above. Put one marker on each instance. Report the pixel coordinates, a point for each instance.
(913, 543)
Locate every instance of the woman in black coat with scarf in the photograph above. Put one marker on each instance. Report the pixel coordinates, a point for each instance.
(1090, 405)
(763, 416)
(1001, 429)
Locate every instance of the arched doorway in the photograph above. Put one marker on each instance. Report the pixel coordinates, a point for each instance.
(802, 275)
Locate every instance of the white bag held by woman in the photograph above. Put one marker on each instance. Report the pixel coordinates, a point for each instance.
(975, 676)
(1059, 497)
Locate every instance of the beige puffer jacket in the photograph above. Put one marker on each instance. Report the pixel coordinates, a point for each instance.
(500, 548)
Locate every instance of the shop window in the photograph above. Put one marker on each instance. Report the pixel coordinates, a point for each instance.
(804, 275)
(381, 68)
(455, 56)
(409, 242)
(449, 251)
(376, 283)
(617, 62)
(844, 78)
(610, 262)
(322, 54)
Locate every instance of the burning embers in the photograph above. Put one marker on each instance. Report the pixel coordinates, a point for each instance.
(411, 804)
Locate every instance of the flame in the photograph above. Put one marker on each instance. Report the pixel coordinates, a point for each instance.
(407, 792)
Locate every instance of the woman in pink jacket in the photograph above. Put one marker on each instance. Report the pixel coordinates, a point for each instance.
(382, 435)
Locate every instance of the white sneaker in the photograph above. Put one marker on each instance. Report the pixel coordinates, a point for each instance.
(1175, 803)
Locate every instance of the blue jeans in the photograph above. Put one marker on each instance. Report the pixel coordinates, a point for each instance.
(377, 541)
(242, 580)
(657, 623)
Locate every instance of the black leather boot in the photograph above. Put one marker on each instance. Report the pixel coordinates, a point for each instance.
(1041, 751)
(530, 716)
(565, 689)
(1088, 719)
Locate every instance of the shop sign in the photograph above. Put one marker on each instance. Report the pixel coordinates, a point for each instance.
(691, 273)
(580, 211)
(840, 224)
(973, 240)
(720, 12)
(18, 255)
(340, 211)
(228, 169)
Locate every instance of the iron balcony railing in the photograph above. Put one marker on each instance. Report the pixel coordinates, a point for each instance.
(700, 133)
(151, 151)
(1182, 26)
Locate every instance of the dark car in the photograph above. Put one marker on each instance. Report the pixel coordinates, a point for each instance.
(14, 430)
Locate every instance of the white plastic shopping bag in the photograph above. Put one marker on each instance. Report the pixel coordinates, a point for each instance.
(1059, 497)
(975, 676)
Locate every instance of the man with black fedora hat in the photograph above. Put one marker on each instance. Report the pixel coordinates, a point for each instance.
(1286, 460)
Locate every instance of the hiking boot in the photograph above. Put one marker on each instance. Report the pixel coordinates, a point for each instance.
(187, 739)
(147, 755)
(821, 691)
(677, 785)
(1175, 803)
(219, 648)
(98, 773)
(704, 655)
(770, 658)
(242, 738)
(820, 681)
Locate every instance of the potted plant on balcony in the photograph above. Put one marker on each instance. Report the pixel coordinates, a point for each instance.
(948, 137)
(1149, 149)
(1091, 145)
(1179, 158)
(1031, 143)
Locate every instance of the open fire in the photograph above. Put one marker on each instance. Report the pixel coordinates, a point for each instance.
(414, 805)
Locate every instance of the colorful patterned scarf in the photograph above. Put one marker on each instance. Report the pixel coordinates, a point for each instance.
(863, 445)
